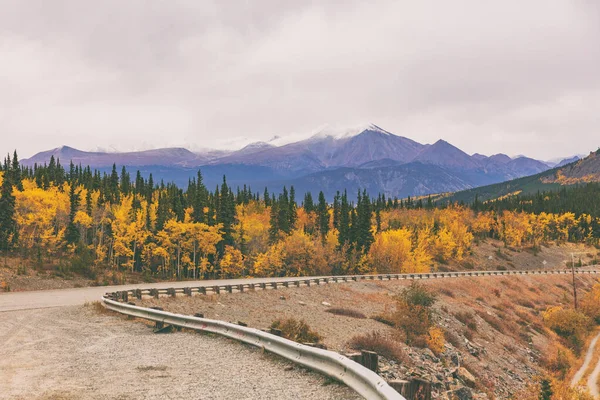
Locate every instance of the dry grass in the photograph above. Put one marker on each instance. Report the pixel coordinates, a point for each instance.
(346, 312)
(381, 344)
(98, 307)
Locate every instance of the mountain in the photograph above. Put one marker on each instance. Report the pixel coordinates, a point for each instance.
(412, 179)
(576, 173)
(442, 153)
(364, 155)
(163, 157)
(568, 161)
(331, 148)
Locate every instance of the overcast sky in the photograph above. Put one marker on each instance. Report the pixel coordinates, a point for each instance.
(506, 76)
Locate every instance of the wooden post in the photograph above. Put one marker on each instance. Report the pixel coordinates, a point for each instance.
(171, 292)
(276, 332)
(229, 288)
(216, 289)
(154, 293)
(138, 294)
(202, 290)
(187, 291)
(370, 360)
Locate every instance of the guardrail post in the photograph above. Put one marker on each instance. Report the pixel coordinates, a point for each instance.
(276, 332)
(286, 284)
(326, 280)
(229, 288)
(307, 282)
(318, 281)
(138, 294)
(263, 286)
(202, 290)
(370, 360)
(154, 293)
(125, 296)
(187, 291)
(274, 285)
(216, 289)
(297, 283)
(171, 292)
(240, 288)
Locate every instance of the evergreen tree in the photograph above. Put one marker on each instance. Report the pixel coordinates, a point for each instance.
(16, 172)
(72, 234)
(293, 209)
(283, 205)
(546, 391)
(344, 226)
(336, 210)
(323, 215)
(273, 222)
(9, 233)
(308, 204)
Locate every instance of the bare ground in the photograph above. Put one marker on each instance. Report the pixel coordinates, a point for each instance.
(77, 353)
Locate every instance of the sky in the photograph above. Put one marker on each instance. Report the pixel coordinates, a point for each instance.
(518, 77)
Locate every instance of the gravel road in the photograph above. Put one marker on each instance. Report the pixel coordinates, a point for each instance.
(76, 352)
(79, 296)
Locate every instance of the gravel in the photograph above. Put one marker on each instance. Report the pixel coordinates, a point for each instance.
(76, 352)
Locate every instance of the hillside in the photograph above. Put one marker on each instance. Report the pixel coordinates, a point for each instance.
(578, 172)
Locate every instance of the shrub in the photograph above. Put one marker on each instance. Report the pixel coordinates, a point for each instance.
(413, 312)
(435, 340)
(347, 312)
(570, 324)
(384, 320)
(558, 360)
(466, 318)
(380, 344)
(295, 330)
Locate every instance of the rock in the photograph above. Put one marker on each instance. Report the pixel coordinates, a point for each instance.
(465, 376)
(462, 393)
(289, 368)
(326, 304)
(302, 303)
(281, 297)
(455, 358)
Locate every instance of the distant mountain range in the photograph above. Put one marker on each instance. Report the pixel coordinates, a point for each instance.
(569, 174)
(364, 157)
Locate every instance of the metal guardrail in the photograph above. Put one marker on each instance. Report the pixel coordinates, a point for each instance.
(298, 282)
(361, 379)
(364, 381)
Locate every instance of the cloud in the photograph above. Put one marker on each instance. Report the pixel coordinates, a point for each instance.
(489, 77)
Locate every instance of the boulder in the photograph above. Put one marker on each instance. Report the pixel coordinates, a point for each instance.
(462, 393)
(465, 376)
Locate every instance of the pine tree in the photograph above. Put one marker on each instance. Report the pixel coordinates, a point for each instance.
(308, 204)
(323, 215)
(283, 206)
(273, 222)
(292, 209)
(336, 210)
(344, 226)
(9, 233)
(16, 172)
(546, 391)
(72, 234)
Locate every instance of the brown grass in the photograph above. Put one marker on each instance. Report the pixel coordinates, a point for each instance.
(346, 312)
(381, 344)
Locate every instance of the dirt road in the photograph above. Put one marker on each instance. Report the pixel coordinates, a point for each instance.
(74, 352)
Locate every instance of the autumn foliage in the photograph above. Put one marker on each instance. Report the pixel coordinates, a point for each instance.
(121, 224)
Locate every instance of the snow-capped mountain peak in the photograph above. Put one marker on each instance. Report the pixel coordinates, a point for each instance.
(338, 132)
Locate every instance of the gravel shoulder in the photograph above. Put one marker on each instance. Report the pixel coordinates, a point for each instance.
(77, 353)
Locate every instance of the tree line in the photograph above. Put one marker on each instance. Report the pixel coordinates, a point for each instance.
(112, 222)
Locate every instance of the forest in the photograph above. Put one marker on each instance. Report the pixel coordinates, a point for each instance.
(112, 222)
